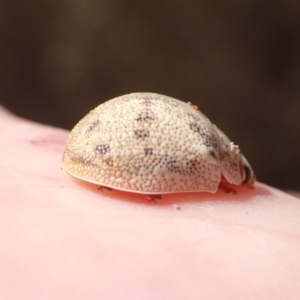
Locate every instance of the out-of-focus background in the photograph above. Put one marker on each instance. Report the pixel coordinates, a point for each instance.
(238, 60)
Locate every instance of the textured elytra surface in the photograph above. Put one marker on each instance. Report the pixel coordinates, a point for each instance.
(152, 144)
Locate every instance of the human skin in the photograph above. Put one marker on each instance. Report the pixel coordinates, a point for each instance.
(62, 238)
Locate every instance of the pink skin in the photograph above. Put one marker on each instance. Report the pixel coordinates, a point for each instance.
(62, 238)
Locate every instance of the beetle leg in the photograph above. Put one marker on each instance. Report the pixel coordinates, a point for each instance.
(102, 188)
(154, 198)
(227, 189)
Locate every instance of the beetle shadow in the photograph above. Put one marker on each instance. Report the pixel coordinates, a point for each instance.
(244, 194)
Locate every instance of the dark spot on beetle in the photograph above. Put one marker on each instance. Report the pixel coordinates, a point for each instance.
(147, 100)
(166, 162)
(109, 162)
(93, 126)
(141, 133)
(148, 151)
(102, 149)
(193, 116)
(205, 138)
(212, 153)
(195, 127)
(145, 116)
(81, 160)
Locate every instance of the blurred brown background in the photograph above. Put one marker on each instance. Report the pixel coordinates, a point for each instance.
(238, 60)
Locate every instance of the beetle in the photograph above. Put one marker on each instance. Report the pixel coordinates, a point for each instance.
(153, 144)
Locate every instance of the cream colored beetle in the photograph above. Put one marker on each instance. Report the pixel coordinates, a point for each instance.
(153, 144)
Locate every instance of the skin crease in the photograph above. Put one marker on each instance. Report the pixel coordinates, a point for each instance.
(62, 238)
